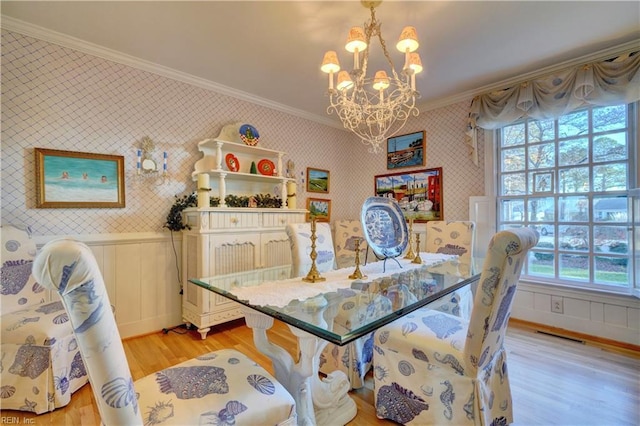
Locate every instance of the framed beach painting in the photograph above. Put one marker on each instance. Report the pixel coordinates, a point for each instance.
(317, 180)
(319, 208)
(406, 150)
(68, 179)
(419, 192)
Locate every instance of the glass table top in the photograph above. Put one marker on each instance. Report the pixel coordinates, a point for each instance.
(341, 309)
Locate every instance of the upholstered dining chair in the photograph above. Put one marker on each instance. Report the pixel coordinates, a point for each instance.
(435, 368)
(40, 362)
(346, 233)
(222, 387)
(354, 359)
(453, 237)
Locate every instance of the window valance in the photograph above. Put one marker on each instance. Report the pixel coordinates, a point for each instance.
(605, 82)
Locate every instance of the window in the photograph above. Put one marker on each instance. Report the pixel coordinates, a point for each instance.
(569, 178)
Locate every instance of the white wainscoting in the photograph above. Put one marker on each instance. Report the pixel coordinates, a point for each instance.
(141, 277)
(603, 315)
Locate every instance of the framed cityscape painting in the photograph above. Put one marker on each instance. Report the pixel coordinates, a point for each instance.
(68, 179)
(406, 150)
(419, 192)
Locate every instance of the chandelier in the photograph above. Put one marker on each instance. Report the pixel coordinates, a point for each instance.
(374, 108)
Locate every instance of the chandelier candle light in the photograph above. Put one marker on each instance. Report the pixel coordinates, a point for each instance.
(374, 108)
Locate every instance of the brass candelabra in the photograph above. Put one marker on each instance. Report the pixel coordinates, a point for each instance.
(313, 275)
(410, 254)
(417, 259)
(357, 274)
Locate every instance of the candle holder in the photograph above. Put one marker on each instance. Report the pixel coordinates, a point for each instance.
(417, 259)
(410, 254)
(313, 276)
(357, 274)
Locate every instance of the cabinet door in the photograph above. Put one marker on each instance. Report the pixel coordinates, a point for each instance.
(235, 252)
(230, 253)
(275, 249)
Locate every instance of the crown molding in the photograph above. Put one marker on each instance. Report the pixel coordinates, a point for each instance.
(64, 40)
(633, 45)
(35, 31)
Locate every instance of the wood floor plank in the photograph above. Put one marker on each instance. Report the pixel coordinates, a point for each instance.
(554, 381)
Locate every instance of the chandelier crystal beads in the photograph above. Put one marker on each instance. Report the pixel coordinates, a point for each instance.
(374, 108)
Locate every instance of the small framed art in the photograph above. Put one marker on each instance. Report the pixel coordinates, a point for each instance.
(68, 179)
(317, 180)
(406, 150)
(319, 208)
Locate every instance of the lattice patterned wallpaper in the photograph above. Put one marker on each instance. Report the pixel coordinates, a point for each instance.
(58, 98)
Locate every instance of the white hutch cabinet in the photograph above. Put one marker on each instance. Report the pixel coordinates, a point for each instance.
(226, 239)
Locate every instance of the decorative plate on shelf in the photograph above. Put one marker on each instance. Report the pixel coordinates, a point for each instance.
(249, 135)
(232, 162)
(266, 167)
(384, 226)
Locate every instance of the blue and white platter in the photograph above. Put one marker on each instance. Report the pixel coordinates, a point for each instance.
(384, 226)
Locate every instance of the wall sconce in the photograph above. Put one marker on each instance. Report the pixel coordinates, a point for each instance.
(146, 166)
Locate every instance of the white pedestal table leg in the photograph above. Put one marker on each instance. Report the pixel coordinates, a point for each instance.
(318, 402)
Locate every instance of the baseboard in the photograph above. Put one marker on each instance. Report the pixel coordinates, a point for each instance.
(627, 348)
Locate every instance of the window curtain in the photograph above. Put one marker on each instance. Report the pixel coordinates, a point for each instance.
(606, 82)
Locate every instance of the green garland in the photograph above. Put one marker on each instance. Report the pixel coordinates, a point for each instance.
(174, 218)
(174, 221)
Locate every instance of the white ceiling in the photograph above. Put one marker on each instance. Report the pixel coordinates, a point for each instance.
(272, 49)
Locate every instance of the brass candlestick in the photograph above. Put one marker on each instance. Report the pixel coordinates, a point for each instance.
(357, 274)
(410, 254)
(417, 259)
(313, 275)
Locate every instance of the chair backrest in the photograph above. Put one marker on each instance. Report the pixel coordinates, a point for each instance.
(451, 237)
(300, 240)
(497, 287)
(69, 267)
(19, 288)
(345, 235)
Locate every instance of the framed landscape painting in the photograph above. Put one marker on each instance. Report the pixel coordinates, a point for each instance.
(68, 179)
(319, 208)
(317, 180)
(406, 150)
(419, 192)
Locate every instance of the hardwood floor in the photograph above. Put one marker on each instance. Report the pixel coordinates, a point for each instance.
(554, 381)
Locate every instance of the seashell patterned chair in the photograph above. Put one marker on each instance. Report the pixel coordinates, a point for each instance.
(354, 359)
(435, 368)
(453, 237)
(222, 387)
(346, 233)
(40, 361)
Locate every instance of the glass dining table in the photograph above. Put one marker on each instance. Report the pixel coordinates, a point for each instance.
(339, 310)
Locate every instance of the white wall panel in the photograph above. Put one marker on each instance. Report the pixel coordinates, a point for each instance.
(576, 308)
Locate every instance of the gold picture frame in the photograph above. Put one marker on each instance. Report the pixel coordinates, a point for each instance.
(69, 179)
(418, 192)
(317, 180)
(319, 208)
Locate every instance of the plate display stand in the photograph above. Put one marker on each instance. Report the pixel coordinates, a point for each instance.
(384, 228)
(243, 182)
